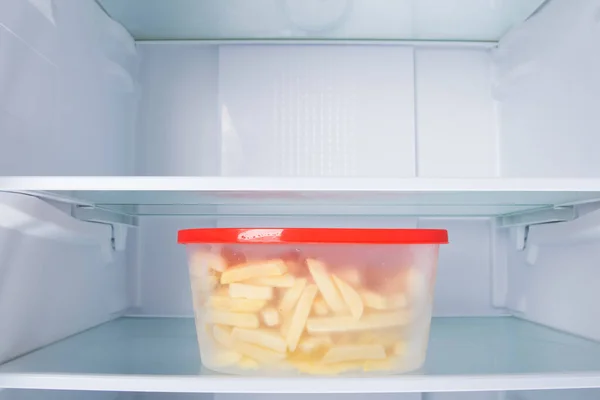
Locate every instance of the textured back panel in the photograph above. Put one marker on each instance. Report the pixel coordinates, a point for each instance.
(317, 110)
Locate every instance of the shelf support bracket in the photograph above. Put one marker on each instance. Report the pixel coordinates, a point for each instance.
(118, 222)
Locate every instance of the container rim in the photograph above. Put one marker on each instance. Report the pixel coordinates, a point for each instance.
(312, 235)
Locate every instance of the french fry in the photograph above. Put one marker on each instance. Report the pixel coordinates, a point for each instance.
(384, 337)
(270, 317)
(247, 363)
(222, 335)
(258, 353)
(313, 343)
(388, 364)
(285, 326)
(253, 270)
(359, 352)
(326, 286)
(224, 357)
(281, 281)
(378, 302)
(291, 296)
(316, 368)
(349, 324)
(320, 307)
(235, 304)
(242, 320)
(350, 296)
(298, 320)
(242, 290)
(260, 337)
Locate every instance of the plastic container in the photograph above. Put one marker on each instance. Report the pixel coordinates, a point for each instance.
(312, 301)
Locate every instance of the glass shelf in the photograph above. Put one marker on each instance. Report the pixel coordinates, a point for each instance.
(240, 196)
(422, 20)
(161, 355)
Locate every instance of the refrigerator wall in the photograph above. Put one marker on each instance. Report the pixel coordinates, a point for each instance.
(68, 91)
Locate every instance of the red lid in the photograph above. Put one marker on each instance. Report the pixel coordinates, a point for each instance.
(313, 235)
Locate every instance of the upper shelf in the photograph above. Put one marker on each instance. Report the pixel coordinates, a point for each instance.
(456, 20)
(161, 355)
(298, 196)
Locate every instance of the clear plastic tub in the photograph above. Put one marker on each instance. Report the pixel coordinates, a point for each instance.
(312, 301)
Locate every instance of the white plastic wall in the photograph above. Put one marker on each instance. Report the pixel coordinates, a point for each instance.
(554, 283)
(55, 277)
(178, 126)
(315, 110)
(548, 87)
(455, 117)
(67, 92)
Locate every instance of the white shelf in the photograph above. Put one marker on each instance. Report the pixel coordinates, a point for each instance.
(298, 196)
(161, 354)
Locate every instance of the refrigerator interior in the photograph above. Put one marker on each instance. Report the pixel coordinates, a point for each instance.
(491, 135)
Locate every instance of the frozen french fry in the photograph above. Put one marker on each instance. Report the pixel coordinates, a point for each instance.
(358, 352)
(313, 343)
(258, 353)
(242, 320)
(291, 296)
(326, 286)
(253, 270)
(349, 324)
(270, 317)
(224, 357)
(261, 337)
(378, 302)
(350, 296)
(320, 307)
(387, 364)
(235, 304)
(247, 363)
(384, 337)
(285, 325)
(281, 281)
(316, 368)
(300, 315)
(242, 290)
(351, 276)
(222, 335)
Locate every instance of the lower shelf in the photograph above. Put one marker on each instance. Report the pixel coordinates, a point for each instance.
(161, 355)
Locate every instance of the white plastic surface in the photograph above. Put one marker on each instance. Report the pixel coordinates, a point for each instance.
(214, 110)
(317, 111)
(338, 19)
(547, 85)
(560, 288)
(465, 354)
(178, 116)
(53, 283)
(455, 116)
(31, 216)
(67, 97)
